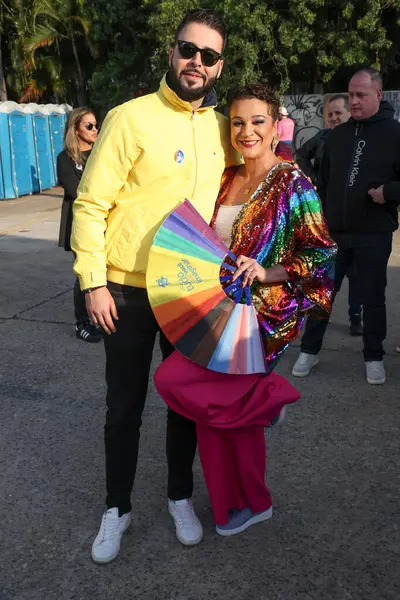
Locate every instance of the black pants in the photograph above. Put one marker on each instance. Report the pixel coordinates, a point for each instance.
(355, 303)
(370, 254)
(128, 357)
(81, 314)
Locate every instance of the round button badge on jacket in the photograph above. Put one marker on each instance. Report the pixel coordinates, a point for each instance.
(179, 156)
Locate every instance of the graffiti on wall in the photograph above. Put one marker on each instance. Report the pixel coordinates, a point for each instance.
(307, 111)
(394, 99)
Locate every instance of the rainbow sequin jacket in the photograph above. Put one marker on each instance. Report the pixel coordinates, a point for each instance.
(283, 224)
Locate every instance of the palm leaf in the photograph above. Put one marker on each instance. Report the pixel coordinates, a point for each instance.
(43, 36)
(51, 64)
(33, 91)
(84, 23)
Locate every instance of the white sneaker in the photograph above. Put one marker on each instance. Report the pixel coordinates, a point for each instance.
(188, 527)
(108, 541)
(304, 364)
(375, 372)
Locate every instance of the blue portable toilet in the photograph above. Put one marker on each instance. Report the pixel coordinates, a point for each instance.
(29, 110)
(1, 180)
(44, 158)
(7, 188)
(64, 117)
(20, 162)
(2, 143)
(15, 172)
(65, 110)
(56, 137)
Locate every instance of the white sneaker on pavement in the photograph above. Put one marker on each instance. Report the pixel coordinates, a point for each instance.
(108, 541)
(188, 527)
(375, 372)
(304, 364)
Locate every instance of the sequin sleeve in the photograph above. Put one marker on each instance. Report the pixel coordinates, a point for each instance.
(311, 266)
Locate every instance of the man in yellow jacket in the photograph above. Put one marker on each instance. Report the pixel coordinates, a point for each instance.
(152, 153)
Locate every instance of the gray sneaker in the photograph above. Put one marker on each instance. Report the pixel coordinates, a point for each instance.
(375, 372)
(304, 364)
(240, 520)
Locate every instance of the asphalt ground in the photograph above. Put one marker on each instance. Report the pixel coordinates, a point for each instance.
(332, 466)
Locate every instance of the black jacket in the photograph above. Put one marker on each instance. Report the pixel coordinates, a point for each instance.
(361, 155)
(312, 150)
(69, 174)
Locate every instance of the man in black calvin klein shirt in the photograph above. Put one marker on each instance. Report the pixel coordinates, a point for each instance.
(360, 191)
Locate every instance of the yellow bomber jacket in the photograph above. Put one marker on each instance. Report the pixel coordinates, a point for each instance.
(151, 154)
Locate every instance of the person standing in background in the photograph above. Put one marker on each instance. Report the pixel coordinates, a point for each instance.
(309, 155)
(285, 131)
(360, 190)
(80, 134)
(309, 158)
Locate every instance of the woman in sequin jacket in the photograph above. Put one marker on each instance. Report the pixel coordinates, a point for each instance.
(270, 216)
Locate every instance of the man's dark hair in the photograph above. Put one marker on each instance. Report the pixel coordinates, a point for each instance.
(260, 92)
(205, 17)
(343, 97)
(373, 73)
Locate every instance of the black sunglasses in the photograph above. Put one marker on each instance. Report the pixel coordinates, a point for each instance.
(90, 126)
(209, 57)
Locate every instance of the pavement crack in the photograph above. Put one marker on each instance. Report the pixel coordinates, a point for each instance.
(50, 322)
(17, 315)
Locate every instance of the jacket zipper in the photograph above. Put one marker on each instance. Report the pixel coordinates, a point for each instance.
(348, 176)
(195, 154)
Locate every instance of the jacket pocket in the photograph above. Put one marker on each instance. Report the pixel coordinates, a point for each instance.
(124, 245)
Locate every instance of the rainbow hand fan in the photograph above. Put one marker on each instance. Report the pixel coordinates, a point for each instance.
(214, 327)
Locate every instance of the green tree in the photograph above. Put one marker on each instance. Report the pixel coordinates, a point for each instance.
(135, 43)
(279, 41)
(58, 23)
(327, 36)
(45, 42)
(254, 48)
(7, 16)
(126, 43)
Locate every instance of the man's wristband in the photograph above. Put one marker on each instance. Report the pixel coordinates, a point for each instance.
(88, 290)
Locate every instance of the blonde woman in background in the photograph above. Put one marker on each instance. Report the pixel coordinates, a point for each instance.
(80, 134)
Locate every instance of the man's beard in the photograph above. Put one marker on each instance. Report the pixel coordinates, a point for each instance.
(185, 93)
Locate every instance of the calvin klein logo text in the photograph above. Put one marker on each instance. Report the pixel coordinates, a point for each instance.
(356, 163)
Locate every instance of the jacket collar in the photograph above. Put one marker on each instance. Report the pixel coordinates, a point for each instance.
(385, 111)
(209, 103)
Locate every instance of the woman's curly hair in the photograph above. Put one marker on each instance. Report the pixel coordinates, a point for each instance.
(258, 91)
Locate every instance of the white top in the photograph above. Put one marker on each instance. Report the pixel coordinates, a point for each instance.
(224, 222)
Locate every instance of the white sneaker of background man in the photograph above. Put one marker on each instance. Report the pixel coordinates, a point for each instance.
(375, 372)
(304, 364)
(375, 369)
